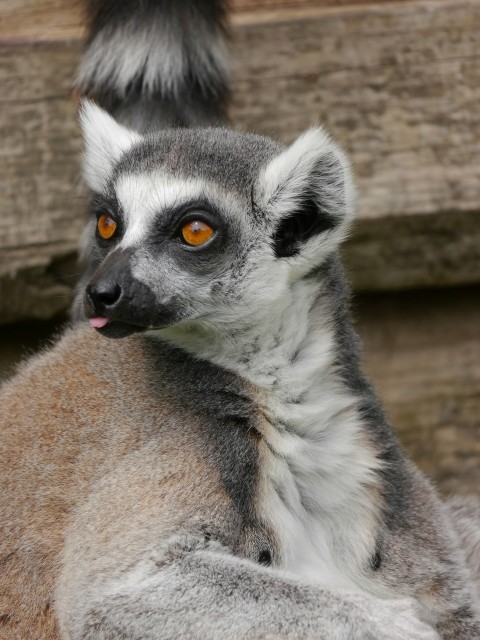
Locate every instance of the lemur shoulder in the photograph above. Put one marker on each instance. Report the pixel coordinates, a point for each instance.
(207, 459)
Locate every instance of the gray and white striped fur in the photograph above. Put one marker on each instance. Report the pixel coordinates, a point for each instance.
(157, 63)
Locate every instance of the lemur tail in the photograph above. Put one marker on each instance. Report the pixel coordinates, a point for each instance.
(157, 63)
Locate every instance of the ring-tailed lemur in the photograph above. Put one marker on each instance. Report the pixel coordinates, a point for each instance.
(225, 470)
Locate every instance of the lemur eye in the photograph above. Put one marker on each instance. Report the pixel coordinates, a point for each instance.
(106, 226)
(196, 233)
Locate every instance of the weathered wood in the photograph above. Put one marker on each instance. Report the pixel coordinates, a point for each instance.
(37, 281)
(41, 216)
(48, 20)
(399, 252)
(257, 6)
(397, 84)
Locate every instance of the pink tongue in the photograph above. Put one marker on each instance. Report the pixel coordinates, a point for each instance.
(98, 322)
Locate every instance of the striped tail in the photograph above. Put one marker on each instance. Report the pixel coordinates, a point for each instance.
(155, 64)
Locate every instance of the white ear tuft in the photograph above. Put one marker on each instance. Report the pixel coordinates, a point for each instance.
(105, 141)
(307, 192)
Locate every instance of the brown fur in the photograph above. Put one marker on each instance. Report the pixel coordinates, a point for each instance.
(74, 465)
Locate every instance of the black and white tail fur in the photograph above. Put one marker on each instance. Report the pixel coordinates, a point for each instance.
(157, 64)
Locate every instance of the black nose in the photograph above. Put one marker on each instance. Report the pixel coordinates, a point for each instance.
(103, 295)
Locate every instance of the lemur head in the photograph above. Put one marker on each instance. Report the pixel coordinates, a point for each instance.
(204, 225)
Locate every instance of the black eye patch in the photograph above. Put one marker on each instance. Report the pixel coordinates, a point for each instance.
(307, 221)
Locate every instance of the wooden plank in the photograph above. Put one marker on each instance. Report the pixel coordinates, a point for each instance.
(41, 214)
(40, 20)
(401, 252)
(48, 20)
(239, 6)
(398, 85)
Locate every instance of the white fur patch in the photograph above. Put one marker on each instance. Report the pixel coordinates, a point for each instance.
(163, 55)
(105, 141)
(145, 196)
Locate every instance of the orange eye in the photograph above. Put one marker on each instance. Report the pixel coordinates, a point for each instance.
(106, 226)
(196, 233)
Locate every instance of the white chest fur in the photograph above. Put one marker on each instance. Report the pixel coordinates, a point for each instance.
(318, 471)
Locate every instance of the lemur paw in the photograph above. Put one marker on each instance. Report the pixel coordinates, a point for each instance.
(184, 544)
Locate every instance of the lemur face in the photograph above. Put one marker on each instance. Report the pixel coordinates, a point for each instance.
(204, 225)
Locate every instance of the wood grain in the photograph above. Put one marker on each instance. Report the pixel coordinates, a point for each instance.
(48, 20)
(397, 83)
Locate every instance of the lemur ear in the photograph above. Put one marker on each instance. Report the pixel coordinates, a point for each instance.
(105, 141)
(307, 192)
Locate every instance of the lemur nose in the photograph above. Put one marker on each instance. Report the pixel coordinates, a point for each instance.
(103, 295)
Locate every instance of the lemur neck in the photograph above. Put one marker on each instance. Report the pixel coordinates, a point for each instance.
(271, 349)
(292, 351)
